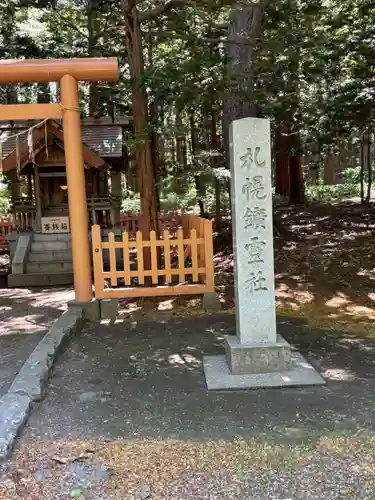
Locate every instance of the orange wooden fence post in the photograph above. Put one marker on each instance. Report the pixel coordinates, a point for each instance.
(97, 257)
(75, 175)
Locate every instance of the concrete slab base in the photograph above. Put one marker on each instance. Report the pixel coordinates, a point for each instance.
(219, 377)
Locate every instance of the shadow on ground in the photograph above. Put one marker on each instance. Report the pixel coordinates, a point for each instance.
(141, 379)
(127, 416)
(324, 264)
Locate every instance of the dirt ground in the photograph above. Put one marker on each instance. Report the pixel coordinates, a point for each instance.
(324, 268)
(127, 414)
(324, 265)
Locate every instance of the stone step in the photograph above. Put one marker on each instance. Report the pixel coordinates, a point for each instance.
(50, 255)
(51, 237)
(39, 280)
(49, 267)
(48, 246)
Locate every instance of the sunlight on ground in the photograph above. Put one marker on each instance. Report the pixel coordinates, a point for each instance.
(338, 312)
(184, 359)
(294, 298)
(339, 374)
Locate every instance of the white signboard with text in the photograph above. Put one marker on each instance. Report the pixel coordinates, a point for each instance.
(55, 225)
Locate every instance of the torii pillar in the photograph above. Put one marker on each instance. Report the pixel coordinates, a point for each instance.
(68, 72)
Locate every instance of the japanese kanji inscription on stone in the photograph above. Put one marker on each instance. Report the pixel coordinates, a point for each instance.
(252, 230)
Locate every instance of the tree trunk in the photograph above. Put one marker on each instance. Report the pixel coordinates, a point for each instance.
(197, 180)
(215, 148)
(245, 28)
(332, 167)
(43, 93)
(155, 152)
(362, 171)
(153, 129)
(8, 39)
(296, 183)
(282, 150)
(143, 151)
(369, 168)
(297, 195)
(92, 29)
(181, 150)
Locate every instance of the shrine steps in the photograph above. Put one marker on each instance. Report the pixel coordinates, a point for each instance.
(49, 267)
(43, 259)
(50, 254)
(39, 280)
(42, 237)
(47, 262)
(41, 246)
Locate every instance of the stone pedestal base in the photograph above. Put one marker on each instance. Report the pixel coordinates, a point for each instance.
(109, 309)
(90, 309)
(257, 358)
(248, 366)
(211, 302)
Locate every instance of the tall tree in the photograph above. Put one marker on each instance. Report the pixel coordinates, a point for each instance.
(244, 33)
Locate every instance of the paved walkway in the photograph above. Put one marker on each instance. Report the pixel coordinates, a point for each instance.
(128, 416)
(25, 316)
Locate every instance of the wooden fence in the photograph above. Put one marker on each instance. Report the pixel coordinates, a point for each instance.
(6, 227)
(179, 265)
(24, 221)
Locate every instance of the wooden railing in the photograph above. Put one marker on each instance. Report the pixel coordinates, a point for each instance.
(102, 209)
(172, 222)
(24, 221)
(129, 223)
(6, 227)
(23, 214)
(178, 265)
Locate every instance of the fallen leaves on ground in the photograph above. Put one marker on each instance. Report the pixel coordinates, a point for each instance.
(324, 269)
(157, 467)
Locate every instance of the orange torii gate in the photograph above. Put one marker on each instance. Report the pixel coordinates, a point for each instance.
(68, 72)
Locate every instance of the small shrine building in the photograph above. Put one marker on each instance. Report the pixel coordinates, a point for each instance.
(34, 162)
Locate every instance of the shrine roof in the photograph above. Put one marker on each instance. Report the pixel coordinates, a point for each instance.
(100, 135)
(12, 158)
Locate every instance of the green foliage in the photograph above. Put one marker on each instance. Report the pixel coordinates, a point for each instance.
(4, 199)
(313, 68)
(348, 188)
(131, 204)
(179, 195)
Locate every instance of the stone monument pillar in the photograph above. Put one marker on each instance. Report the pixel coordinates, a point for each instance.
(256, 356)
